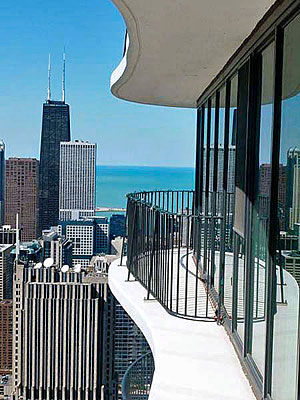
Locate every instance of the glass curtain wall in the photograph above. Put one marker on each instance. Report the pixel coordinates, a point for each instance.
(249, 170)
(286, 321)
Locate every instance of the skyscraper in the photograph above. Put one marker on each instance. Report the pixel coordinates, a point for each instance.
(21, 195)
(77, 180)
(60, 327)
(55, 129)
(2, 181)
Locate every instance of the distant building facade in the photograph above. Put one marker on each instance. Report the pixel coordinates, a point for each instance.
(293, 189)
(60, 328)
(6, 271)
(2, 182)
(8, 235)
(57, 247)
(30, 252)
(265, 187)
(21, 195)
(130, 342)
(6, 332)
(89, 237)
(55, 129)
(77, 180)
(117, 226)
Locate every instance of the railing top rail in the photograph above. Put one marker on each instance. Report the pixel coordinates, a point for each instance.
(135, 196)
(138, 198)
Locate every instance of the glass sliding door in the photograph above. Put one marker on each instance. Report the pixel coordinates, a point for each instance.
(260, 210)
(239, 145)
(219, 188)
(229, 182)
(211, 194)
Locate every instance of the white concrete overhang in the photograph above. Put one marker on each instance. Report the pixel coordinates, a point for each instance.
(194, 360)
(177, 47)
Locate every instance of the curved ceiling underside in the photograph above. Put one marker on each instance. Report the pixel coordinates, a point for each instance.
(177, 47)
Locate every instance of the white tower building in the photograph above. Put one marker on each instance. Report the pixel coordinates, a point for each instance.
(77, 180)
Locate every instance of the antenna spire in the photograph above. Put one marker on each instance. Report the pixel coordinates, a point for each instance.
(64, 76)
(49, 78)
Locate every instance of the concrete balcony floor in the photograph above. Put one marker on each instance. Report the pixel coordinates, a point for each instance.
(194, 360)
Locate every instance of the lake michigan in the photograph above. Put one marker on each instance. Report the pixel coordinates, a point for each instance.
(114, 182)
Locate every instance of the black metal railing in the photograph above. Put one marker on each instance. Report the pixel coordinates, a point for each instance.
(185, 259)
(137, 380)
(170, 251)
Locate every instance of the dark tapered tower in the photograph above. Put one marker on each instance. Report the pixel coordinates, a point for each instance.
(55, 129)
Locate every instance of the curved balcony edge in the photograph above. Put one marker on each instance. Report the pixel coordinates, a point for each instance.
(183, 350)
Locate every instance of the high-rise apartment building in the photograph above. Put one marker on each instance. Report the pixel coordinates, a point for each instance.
(77, 180)
(59, 325)
(2, 182)
(6, 311)
(21, 195)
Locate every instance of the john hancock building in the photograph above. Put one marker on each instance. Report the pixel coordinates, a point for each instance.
(55, 129)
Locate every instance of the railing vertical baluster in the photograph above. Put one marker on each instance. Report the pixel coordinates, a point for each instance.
(172, 262)
(159, 222)
(198, 232)
(168, 258)
(152, 257)
(178, 262)
(187, 263)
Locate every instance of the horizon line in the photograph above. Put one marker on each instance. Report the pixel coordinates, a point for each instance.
(143, 166)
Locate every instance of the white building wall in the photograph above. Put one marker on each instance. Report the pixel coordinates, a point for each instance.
(77, 180)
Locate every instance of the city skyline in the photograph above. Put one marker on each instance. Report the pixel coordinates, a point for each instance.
(91, 56)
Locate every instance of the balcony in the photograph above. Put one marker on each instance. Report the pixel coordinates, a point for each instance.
(168, 289)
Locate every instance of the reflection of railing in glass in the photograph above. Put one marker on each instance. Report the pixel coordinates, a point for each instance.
(137, 380)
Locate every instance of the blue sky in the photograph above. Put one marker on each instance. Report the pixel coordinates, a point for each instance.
(93, 33)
